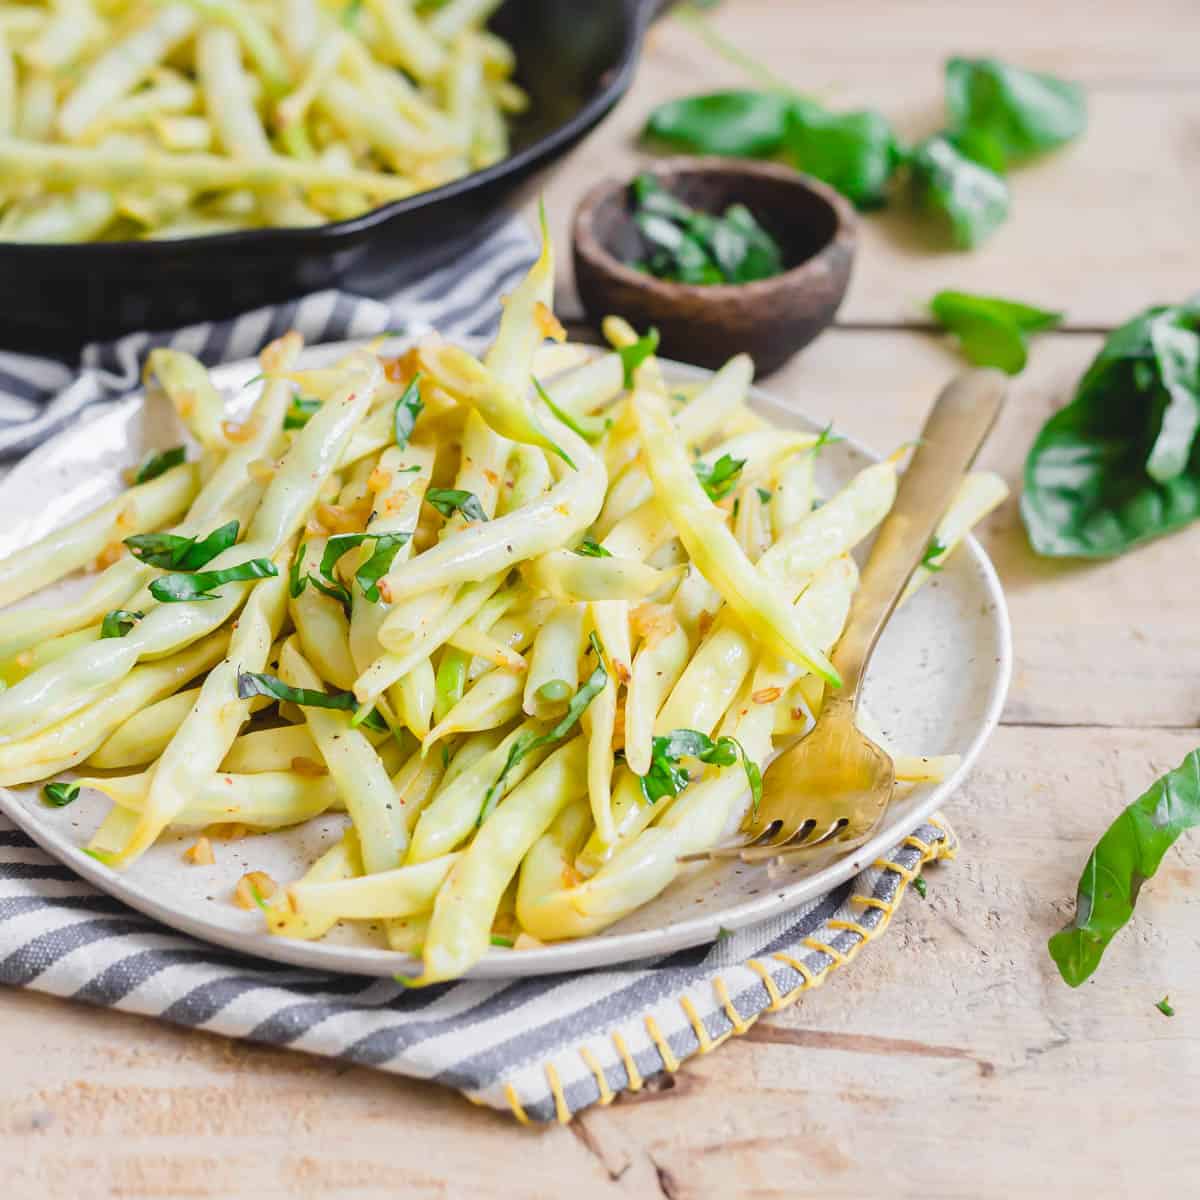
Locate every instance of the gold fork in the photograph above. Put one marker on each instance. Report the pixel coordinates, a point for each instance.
(835, 784)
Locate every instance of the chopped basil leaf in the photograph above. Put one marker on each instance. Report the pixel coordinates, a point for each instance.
(934, 551)
(920, 886)
(408, 408)
(250, 683)
(636, 353)
(591, 429)
(529, 741)
(301, 410)
(1164, 1006)
(763, 495)
(297, 581)
(590, 548)
(387, 545)
(450, 500)
(172, 552)
(826, 438)
(59, 795)
(335, 590)
(158, 463)
(721, 478)
(119, 622)
(498, 940)
(667, 778)
(171, 589)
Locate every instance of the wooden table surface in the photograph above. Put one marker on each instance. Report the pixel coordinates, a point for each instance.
(964, 1070)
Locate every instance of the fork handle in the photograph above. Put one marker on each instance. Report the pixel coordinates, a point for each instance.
(955, 429)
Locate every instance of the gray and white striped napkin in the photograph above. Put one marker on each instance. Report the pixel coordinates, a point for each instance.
(543, 1047)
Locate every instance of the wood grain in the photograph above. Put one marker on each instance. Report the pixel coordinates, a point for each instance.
(950, 1062)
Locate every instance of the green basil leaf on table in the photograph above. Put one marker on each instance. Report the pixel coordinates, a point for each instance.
(970, 199)
(992, 332)
(448, 501)
(734, 123)
(1120, 464)
(529, 741)
(198, 585)
(1165, 1007)
(159, 463)
(1128, 854)
(721, 478)
(172, 552)
(1008, 114)
(408, 408)
(855, 152)
(119, 622)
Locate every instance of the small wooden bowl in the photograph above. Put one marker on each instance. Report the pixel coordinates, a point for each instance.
(707, 324)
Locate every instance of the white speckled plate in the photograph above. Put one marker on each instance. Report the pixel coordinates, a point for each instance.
(936, 686)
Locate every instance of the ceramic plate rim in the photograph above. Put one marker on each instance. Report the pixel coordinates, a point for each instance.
(599, 950)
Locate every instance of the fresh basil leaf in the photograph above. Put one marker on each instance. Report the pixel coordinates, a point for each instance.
(408, 408)
(529, 741)
(651, 197)
(158, 463)
(590, 548)
(172, 552)
(335, 590)
(1165, 1007)
(503, 942)
(591, 429)
(739, 124)
(744, 250)
(1017, 113)
(119, 622)
(667, 778)
(764, 497)
(172, 589)
(297, 580)
(636, 353)
(300, 412)
(1128, 854)
(969, 199)
(448, 501)
(920, 887)
(1120, 464)
(934, 551)
(250, 683)
(59, 795)
(826, 438)
(855, 152)
(721, 478)
(374, 568)
(387, 546)
(992, 332)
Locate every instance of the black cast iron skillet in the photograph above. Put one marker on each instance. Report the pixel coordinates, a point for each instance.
(574, 57)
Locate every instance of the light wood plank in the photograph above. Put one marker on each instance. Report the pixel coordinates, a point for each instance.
(949, 1057)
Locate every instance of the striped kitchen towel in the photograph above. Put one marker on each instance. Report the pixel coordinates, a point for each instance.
(40, 396)
(543, 1048)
